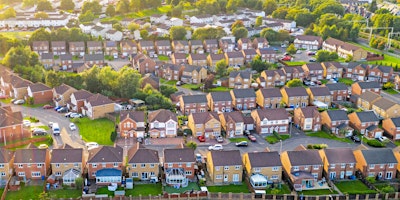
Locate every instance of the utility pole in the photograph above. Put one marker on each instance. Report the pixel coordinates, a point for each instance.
(377, 28)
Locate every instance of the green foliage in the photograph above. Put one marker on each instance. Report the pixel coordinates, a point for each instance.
(177, 33)
(291, 49)
(110, 10)
(294, 83)
(208, 33)
(192, 145)
(41, 15)
(269, 34)
(44, 5)
(67, 5)
(167, 90)
(9, 13)
(144, 34)
(388, 85)
(86, 17)
(133, 26)
(93, 6)
(324, 56)
(317, 146)
(122, 7)
(220, 67)
(240, 32)
(280, 13)
(387, 189)
(259, 21)
(269, 6)
(259, 65)
(237, 24)
(372, 7)
(375, 143)
(20, 56)
(371, 179)
(113, 136)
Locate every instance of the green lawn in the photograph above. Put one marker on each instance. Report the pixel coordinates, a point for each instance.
(353, 187)
(98, 130)
(238, 139)
(346, 81)
(229, 188)
(26, 192)
(295, 63)
(6, 101)
(284, 190)
(144, 190)
(163, 58)
(65, 193)
(33, 105)
(140, 14)
(192, 86)
(391, 91)
(192, 185)
(322, 134)
(384, 187)
(219, 89)
(389, 60)
(48, 141)
(317, 192)
(272, 139)
(18, 34)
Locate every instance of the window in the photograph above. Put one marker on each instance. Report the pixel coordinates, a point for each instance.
(135, 174)
(20, 166)
(257, 169)
(143, 165)
(188, 172)
(237, 167)
(274, 169)
(169, 164)
(57, 165)
(226, 168)
(133, 165)
(152, 165)
(218, 177)
(391, 165)
(371, 174)
(3, 174)
(94, 165)
(58, 173)
(217, 168)
(333, 166)
(36, 174)
(371, 166)
(188, 164)
(316, 166)
(179, 164)
(152, 174)
(274, 177)
(295, 168)
(1, 165)
(343, 165)
(315, 175)
(382, 166)
(76, 164)
(351, 165)
(21, 173)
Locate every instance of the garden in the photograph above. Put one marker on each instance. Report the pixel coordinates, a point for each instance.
(353, 187)
(98, 130)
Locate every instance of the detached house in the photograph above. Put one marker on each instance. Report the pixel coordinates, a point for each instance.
(77, 48)
(309, 42)
(367, 99)
(366, 123)
(379, 163)
(62, 94)
(225, 167)
(31, 163)
(67, 164)
(339, 163)
(243, 99)
(179, 166)
(273, 78)
(40, 47)
(181, 46)
(104, 164)
(220, 101)
(356, 71)
(162, 123)
(271, 120)
(233, 123)
(40, 93)
(338, 91)
(128, 47)
(307, 118)
(197, 59)
(7, 161)
(206, 124)
(337, 122)
(11, 125)
(193, 74)
(263, 168)
(97, 106)
(193, 103)
(143, 163)
(58, 47)
(144, 64)
(269, 98)
(295, 97)
(392, 127)
(386, 108)
(19, 87)
(132, 124)
(332, 70)
(320, 94)
(77, 100)
(313, 71)
(240, 79)
(361, 87)
(379, 73)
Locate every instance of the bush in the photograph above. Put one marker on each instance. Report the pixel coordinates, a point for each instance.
(33, 119)
(375, 143)
(113, 136)
(387, 189)
(317, 146)
(371, 179)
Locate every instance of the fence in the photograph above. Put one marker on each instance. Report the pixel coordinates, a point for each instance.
(24, 142)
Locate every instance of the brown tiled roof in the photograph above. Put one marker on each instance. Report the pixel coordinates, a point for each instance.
(40, 43)
(221, 96)
(314, 66)
(137, 116)
(196, 56)
(320, 91)
(204, 117)
(161, 115)
(309, 38)
(196, 42)
(98, 100)
(39, 87)
(243, 93)
(9, 118)
(179, 55)
(179, 155)
(340, 155)
(264, 159)
(94, 44)
(62, 88)
(211, 41)
(138, 154)
(306, 157)
(30, 155)
(235, 54)
(82, 94)
(349, 47)
(271, 92)
(105, 154)
(273, 114)
(296, 91)
(76, 44)
(58, 44)
(333, 41)
(217, 56)
(288, 69)
(309, 111)
(182, 42)
(18, 82)
(236, 116)
(146, 43)
(226, 158)
(244, 40)
(249, 52)
(5, 155)
(163, 43)
(384, 103)
(66, 155)
(369, 96)
(129, 43)
(335, 64)
(368, 85)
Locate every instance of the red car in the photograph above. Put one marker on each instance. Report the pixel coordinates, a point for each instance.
(252, 138)
(201, 138)
(287, 58)
(48, 106)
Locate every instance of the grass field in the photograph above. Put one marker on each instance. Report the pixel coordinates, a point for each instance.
(17, 35)
(354, 187)
(391, 91)
(98, 130)
(389, 60)
(346, 81)
(295, 63)
(48, 141)
(26, 192)
(238, 139)
(191, 86)
(144, 13)
(163, 58)
(144, 190)
(63, 194)
(322, 134)
(229, 188)
(190, 186)
(272, 139)
(284, 190)
(219, 89)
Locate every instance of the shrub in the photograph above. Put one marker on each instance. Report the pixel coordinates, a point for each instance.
(375, 143)
(317, 146)
(113, 136)
(387, 189)
(371, 179)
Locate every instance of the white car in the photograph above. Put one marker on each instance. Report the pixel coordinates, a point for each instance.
(383, 138)
(68, 114)
(19, 102)
(75, 115)
(26, 122)
(216, 147)
(91, 145)
(72, 127)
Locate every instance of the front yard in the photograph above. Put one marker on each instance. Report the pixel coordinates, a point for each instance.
(26, 192)
(353, 187)
(192, 86)
(238, 139)
(144, 190)
(98, 130)
(391, 91)
(219, 89)
(64, 193)
(163, 58)
(322, 134)
(346, 81)
(229, 188)
(272, 139)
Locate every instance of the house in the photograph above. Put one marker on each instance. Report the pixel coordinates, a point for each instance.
(269, 98)
(225, 167)
(243, 99)
(77, 48)
(40, 47)
(178, 58)
(262, 168)
(271, 120)
(339, 163)
(226, 45)
(152, 80)
(47, 60)
(111, 49)
(356, 71)
(361, 87)
(77, 100)
(196, 46)
(240, 79)
(260, 43)
(293, 72)
(66, 61)
(304, 169)
(67, 164)
(19, 87)
(62, 94)
(5, 81)
(366, 122)
(180, 46)
(244, 43)
(94, 47)
(267, 55)
(273, 78)
(31, 163)
(210, 46)
(143, 163)
(308, 42)
(193, 103)
(144, 64)
(58, 47)
(6, 161)
(147, 47)
(94, 59)
(40, 93)
(105, 164)
(295, 97)
(337, 122)
(249, 55)
(233, 123)
(338, 91)
(392, 127)
(234, 58)
(320, 94)
(397, 82)
(197, 59)
(313, 71)
(97, 106)
(132, 124)
(379, 163)
(163, 47)
(193, 74)
(212, 60)
(332, 70)
(206, 124)
(308, 118)
(220, 101)
(128, 47)
(179, 166)
(386, 108)
(113, 35)
(367, 99)
(11, 125)
(172, 71)
(162, 123)
(346, 50)
(379, 73)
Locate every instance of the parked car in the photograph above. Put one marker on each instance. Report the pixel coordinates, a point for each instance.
(62, 110)
(26, 122)
(68, 114)
(47, 106)
(383, 139)
(219, 139)
(311, 53)
(39, 131)
(216, 147)
(246, 132)
(252, 138)
(72, 127)
(19, 102)
(91, 145)
(313, 60)
(242, 144)
(201, 138)
(198, 157)
(355, 138)
(57, 107)
(318, 82)
(75, 115)
(287, 58)
(43, 146)
(283, 45)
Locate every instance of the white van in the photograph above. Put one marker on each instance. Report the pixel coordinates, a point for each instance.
(56, 129)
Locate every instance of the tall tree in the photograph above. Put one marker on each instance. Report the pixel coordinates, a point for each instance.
(93, 6)
(269, 6)
(9, 13)
(237, 24)
(177, 33)
(44, 5)
(41, 15)
(259, 21)
(372, 7)
(240, 32)
(122, 7)
(67, 5)
(220, 67)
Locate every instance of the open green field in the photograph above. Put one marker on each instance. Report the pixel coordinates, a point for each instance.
(65, 193)
(145, 190)
(17, 35)
(144, 13)
(98, 130)
(229, 188)
(388, 61)
(353, 187)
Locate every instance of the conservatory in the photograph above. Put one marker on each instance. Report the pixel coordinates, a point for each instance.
(70, 176)
(176, 177)
(258, 181)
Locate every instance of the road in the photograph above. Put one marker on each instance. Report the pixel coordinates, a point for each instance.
(393, 97)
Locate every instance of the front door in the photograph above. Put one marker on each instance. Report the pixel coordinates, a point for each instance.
(225, 177)
(144, 176)
(235, 178)
(332, 175)
(162, 134)
(231, 133)
(388, 175)
(342, 175)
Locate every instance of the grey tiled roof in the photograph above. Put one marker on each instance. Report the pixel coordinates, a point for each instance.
(337, 115)
(306, 157)
(264, 159)
(367, 116)
(226, 158)
(379, 156)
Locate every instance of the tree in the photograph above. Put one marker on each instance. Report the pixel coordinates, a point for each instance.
(67, 5)
(269, 6)
(144, 34)
(128, 82)
(41, 15)
(231, 6)
(110, 10)
(9, 13)
(269, 34)
(388, 85)
(167, 90)
(237, 24)
(79, 182)
(259, 21)
(20, 56)
(323, 56)
(240, 32)
(176, 11)
(118, 26)
(177, 33)
(93, 6)
(291, 49)
(122, 7)
(44, 5)
(280, 13)
(135, 5)
(208, 82)
(330, 7)
(86, 17)
(220, 67)
(294, 83)
(372, 7)
(192, 145)
(52, 79)
(28, 3)
(259, 65)
(208, 33)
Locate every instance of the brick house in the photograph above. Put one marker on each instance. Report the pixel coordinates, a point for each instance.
(105, 164)
(269, 98)
(142, 163)
(260, 43)
(379, 73)
(171, 72)
(210, 46)
(295, 97)
(163, 47)
(244, 43)
(6, 161)
(356, 71)
(313, 71)
(273, 78)
(267, 55)
(94, 59)
(58, 47)
(339, 163)
(40, 47)
(47, 60)
(321, 94)
(226, 45)
(240, 79)
(336, 121)
(234, 58)
(31, 163)
(193, 103)
(162, 123)
(361, 87)
(196, 46)
(94, 47)
(293, 72)
(144, 64)
(332, 70)
(97, 106)
(225, 167)
(77, 100)
(66, 61)
(267, 164)
(67, 164)
(197, 59)
(11, 125)
(128, 47)
(386, 108)
(212, 60)
(111, 49)
(243, 99)
(40, 93)
(179, 166)
(308, 42)
(181, 46)
(77, 48)
(220, 101)
(379, 163)
(132, 124)
(391, 126)
(62, 94)
(232, 123)
(147, 47)
(270, 120)
(205, 124)
(193, 74)
(367, 99)
(249, 55)
(152, 80)
(338, 91)
(307, 118)
(366, 122)
(19, 87)
(178, 58)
